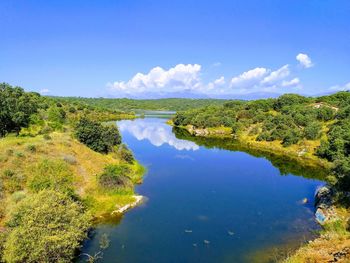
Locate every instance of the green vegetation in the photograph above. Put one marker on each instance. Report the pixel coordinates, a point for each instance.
(115, 177)
(45, 227)
(96, 136)
(16, 107)
(172, 104)
(314, 126)
(60, 169)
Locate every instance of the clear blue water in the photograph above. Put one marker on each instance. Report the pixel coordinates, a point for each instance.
(204, 204)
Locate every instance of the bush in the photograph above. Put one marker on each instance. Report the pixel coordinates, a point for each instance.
(51, 174)
(291, 137)
(9, 173)
(19, 154)
(15, 183)
(115, 176)
(45, 227)
(72, 109)
(125, 154)
(47, 137)
(97, 137)
(342, 173)
(312, 131)
(31, 148)
(325, 113)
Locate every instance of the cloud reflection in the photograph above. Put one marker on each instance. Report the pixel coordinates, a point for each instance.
(156, 133)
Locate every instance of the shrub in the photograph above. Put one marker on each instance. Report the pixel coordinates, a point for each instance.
(72, 109)
(47, 137)
(115, 176)
(9, 173)
(325, 113)
(31, 148)
(125, 154)
(291, 137)
(19, 154)
(97, 137)
(15, 183)
(46, 130)
(312, 131)
(45, 227)
(51, 174)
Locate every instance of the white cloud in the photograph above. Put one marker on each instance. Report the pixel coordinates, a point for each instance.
(276, 75)
(291, 83)
(186, 79)
(304, 60)
(263, 80)
(345, 87)
(44, 91)
(220, 82)
(249, 78)
(181, 77)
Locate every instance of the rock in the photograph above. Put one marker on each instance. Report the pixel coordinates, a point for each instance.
(324, 205)
(121, 210)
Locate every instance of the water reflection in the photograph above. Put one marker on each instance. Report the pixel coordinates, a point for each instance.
(156, 133)
(284, 164)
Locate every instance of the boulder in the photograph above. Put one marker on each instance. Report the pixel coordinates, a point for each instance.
(324, 205)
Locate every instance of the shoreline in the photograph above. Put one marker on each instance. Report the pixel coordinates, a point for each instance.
(333, 237)
(121, 210)
(299, 155)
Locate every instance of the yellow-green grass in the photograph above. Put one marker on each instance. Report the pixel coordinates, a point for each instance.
(19, 154)
(333, 240)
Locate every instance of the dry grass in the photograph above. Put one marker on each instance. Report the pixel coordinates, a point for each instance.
(333, 245)
(18, 154)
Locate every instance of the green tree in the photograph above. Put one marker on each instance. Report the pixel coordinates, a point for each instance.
(16, 107)
(96, 136)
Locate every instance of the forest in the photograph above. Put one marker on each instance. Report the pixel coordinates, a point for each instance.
(124, 104)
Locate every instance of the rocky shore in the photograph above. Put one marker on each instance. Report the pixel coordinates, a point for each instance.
(324, 205)
(121, 210)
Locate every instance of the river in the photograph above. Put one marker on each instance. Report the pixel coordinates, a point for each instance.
(206, 204)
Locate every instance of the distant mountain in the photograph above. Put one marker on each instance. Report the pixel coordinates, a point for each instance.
(194, 95)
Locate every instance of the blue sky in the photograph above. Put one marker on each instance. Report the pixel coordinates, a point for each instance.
(175, 48)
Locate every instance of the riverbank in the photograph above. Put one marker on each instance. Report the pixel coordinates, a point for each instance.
(303, 152)
(21, 157)
(333, 242)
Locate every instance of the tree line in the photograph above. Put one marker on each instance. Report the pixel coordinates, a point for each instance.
(289, 119)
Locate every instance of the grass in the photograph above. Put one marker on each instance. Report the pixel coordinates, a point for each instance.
(18, 155)
(334, 240)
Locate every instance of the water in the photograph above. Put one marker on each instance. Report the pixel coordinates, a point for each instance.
(205, 204)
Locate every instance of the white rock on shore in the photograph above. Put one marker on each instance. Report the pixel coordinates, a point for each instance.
(123, 209)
